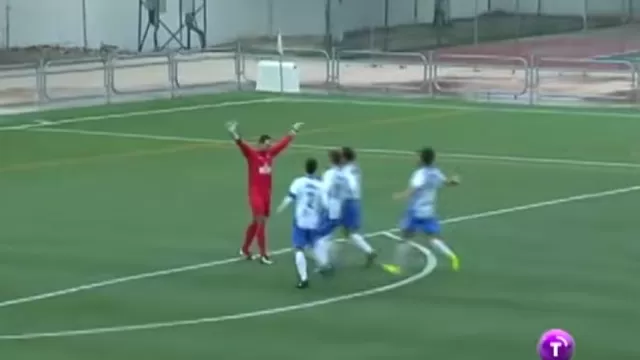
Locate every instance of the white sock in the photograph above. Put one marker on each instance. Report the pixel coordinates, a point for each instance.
(443, 248)
(335, 248)
(402, 251)
(360, 242)
(301, 265)
(321, 251)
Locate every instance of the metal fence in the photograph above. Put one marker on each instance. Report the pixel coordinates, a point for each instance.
(117, 77)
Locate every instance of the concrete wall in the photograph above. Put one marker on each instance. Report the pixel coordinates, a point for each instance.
(36, 22)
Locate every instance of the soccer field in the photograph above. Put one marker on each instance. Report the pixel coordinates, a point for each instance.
(120, 228)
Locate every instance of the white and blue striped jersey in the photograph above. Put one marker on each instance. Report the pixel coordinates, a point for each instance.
(425, 183)
(354, 177)
(336, 190)
(307, 193)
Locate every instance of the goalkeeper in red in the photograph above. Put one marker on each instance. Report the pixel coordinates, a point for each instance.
(260, 164)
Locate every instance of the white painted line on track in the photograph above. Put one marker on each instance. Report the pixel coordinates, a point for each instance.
(463, 156)
(389, 287)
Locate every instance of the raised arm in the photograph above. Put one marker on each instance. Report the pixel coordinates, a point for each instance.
(278, 147)
(246, 150)
(282, 144)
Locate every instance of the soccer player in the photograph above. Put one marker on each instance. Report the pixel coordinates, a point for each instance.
(351, 217)
(260, 162)
(421, 216)
(306, 193)
(336, 187)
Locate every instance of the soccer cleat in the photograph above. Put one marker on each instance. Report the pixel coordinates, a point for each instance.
(303, 284)
(265, 260)
(371, 259)
(392, 269)
(326, 270)
(246, 254)
(455, 263)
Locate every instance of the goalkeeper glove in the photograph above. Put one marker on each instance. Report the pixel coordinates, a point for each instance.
(296, 127)
(232, 127)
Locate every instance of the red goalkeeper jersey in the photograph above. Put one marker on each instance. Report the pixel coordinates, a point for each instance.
(260, 165)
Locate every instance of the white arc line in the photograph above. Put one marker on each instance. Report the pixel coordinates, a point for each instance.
(181, 269)
(272, 311)
(428, 268)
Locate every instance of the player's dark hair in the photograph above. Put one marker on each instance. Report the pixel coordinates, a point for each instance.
(428, 156)
(263, 139)
(335, 157)
(348, 153)
(310, 166)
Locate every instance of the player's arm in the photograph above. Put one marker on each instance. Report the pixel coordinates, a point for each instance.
(246, 150)
(291, 196)
(453, 180)
(278, 147)
(416, 182)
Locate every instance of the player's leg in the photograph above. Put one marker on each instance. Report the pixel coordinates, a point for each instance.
(261, 218)
(252, 230)
(321, 252)
(432, 229)
(301, 239)
(323, 245)
(408, 226)
(351, 225)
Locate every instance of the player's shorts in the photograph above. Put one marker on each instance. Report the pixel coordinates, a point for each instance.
(302, 238)
(428, 226)
(260, 205)
(351, 215)
(328, 226)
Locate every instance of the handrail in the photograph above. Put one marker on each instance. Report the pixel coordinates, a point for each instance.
(532, 80)
(436, 62)
(560, 63)
(382, 55)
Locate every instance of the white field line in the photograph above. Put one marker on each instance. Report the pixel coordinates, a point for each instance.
(265, 312)
(517, 109)
(177, 109)
(401, 104)
(463, 156)
(429, 267)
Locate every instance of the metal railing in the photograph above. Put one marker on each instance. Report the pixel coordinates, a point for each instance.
(115, 77)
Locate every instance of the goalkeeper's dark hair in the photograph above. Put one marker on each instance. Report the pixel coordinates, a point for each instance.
(263, 139)
(427, 156)
(348, 154)
(311, 166)
(335, 157)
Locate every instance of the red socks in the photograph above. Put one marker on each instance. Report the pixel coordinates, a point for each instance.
(256, 230)
(249, 235)
(262, 238)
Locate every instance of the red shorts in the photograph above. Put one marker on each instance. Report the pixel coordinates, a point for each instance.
(260, 205)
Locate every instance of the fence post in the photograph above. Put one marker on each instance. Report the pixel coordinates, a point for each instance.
(585, 11)
(7, 30)
(85, 40)
(475, 22)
